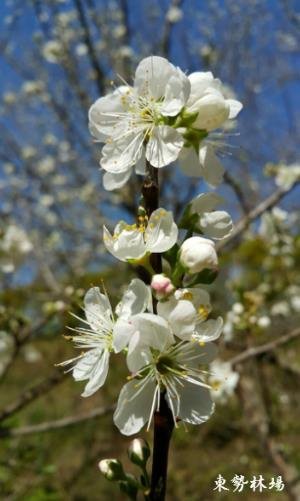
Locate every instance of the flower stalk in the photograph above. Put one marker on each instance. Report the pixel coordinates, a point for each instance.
(163, 419)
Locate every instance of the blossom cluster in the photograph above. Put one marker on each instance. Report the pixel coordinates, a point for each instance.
(163, 327)
(164, 116)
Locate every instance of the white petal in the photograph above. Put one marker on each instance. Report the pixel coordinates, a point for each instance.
(216, 224)
(140, 167)
(196, 405)
(152, 76)
(189, 162)
(128, 245)
(85, 365)
(213, 111)
(119, 155)
(103, 114)
(176, 95)
(212, 169)
(98, 375)
(165, 308)
(235, 107)
(97, 308)
(134, 407)
(138, 355)
(209, 330)
(93, 366)
(205, 202)
(153, 330)
(182, 319)
(122, 333)
(115, 181)
(200, 81)
(135, 300)
(202, 354)
(161, 233)
(163, 146)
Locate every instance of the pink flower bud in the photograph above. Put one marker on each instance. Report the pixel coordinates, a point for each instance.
(162, 285)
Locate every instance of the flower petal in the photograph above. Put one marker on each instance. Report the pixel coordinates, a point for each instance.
(189, 162)
(129, 244)
(115, 181)
(213, 110)
(136, 299)
(134, 407)
(97, 308)
(209, 330)
(176, 94)
(152, 76)
(93, 366)
(200, 81)
(205, 202)
(196, 405)
(122, 333)
(140, 166)
(182, 319)
(138, 355)
(161, 233)
(119, 155)
(163, 146)
(104, 114)
(212, 169)
(153, 331)
(235, 107)
(216, 224)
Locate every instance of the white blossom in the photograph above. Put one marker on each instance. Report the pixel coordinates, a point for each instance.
(223, 380)
(212, 223)
(175, 370)
(133, 242)
(103, 326)
(186, 312)
(212, 111)
(287, 175)
(133, 121)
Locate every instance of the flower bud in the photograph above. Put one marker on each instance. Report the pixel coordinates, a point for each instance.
(112, 469)
(139, 452)
(197, 254)
(213, 111)
(162, 286)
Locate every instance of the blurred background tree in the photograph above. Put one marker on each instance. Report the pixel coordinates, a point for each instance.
(56, 58)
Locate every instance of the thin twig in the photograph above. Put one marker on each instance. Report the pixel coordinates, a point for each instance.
(240, 195)
(57, 424)
(32, 394)
(262, 207)
(264, 348)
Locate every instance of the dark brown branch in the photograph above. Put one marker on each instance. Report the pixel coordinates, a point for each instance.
(90, 45)
(163, 421)
(55, 425)
(236, 187)
(32, 394)
(262, 207)
(264, 348)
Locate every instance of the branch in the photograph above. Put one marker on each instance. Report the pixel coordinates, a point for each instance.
(262, 207)
(236, 187)
(57, 424)
(264, 348)
(32, 394)
(89, 43)
(165, 42)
